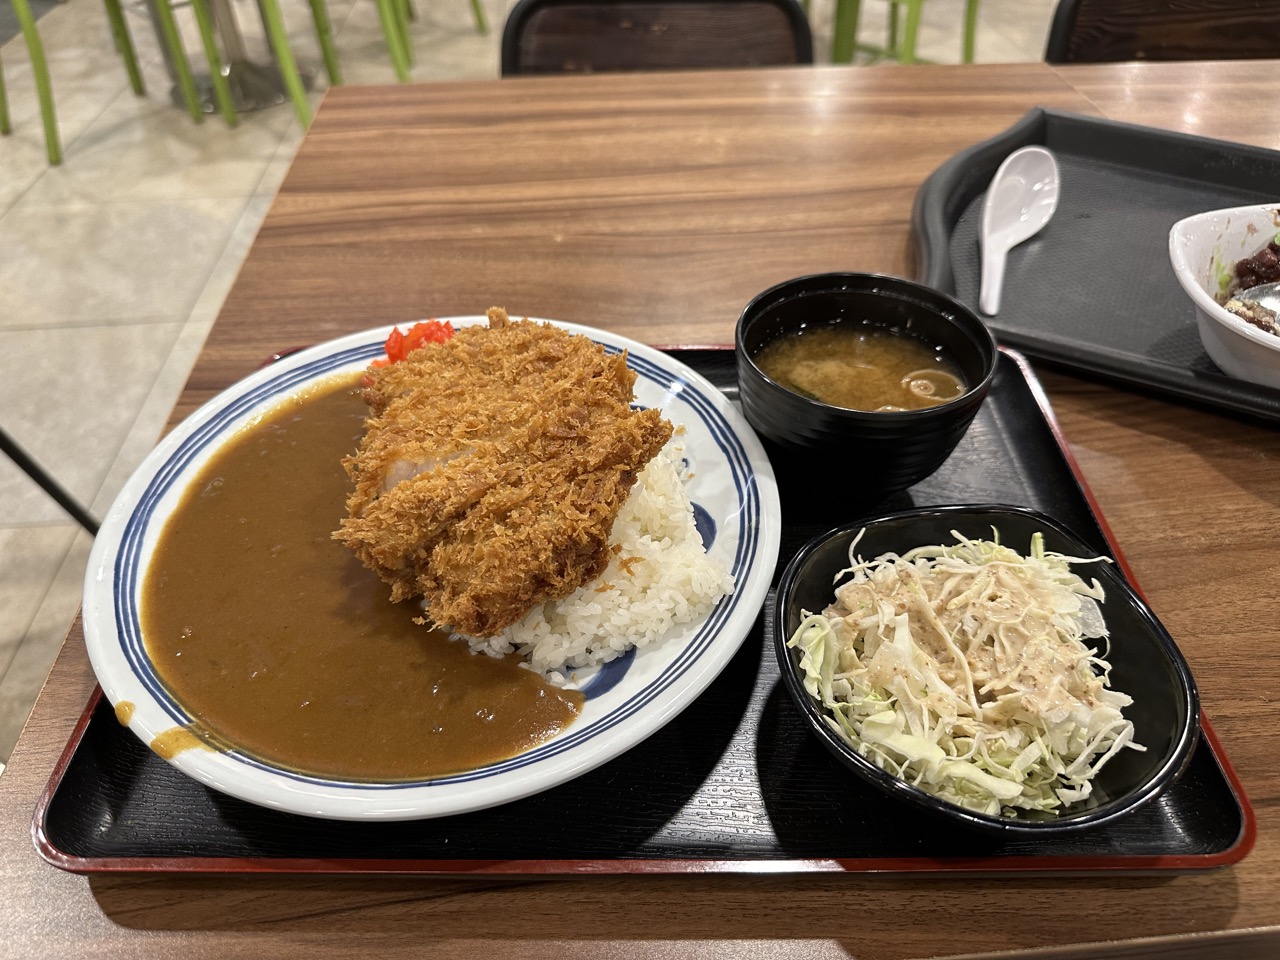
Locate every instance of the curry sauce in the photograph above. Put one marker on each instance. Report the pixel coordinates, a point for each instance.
(279, 643)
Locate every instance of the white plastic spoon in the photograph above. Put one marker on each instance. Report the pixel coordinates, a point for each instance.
(1022, 197)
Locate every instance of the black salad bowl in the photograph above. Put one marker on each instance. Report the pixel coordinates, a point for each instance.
(1146, 664)
(855, 457)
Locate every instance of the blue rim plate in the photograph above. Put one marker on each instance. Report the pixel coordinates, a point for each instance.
(735, 497)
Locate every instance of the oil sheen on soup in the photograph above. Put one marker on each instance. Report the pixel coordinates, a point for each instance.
(861, 367)
(282, 645)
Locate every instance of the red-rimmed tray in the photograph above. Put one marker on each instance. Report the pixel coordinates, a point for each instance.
(734, 784)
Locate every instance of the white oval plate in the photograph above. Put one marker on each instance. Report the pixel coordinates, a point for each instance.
(732, 485)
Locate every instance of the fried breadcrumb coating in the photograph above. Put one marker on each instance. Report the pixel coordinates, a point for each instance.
(492, 468)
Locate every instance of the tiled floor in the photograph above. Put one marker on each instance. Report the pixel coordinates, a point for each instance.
(114, 265)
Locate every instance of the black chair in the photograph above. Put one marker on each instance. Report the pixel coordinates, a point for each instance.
(1104, 31)
(598, 36)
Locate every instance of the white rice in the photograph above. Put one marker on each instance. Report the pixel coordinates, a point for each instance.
(660, 579)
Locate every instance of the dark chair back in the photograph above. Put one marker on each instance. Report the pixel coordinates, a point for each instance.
(1103, 31)
(597, 36)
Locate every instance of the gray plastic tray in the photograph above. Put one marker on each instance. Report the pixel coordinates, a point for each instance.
(1094, 292)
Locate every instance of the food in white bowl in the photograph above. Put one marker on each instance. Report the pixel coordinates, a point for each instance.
(1243, 281)
(1253, 271)
(1204, 250)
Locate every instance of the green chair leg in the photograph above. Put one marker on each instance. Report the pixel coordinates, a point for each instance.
(324, 32)
(274, 22)
(911, 32)
(477, 11)
(401, 8)
(970, 29)
(44, 89)
(221, 87)
(124, 45)
(844, 31)
(5, 126)
(178, 58)
(395, 39)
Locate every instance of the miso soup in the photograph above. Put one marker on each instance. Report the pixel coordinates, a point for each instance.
(862, 367)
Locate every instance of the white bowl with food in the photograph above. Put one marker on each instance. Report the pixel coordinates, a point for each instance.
(579, 530)
(1204, 250)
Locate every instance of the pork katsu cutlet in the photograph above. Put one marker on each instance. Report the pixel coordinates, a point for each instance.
(492, 468)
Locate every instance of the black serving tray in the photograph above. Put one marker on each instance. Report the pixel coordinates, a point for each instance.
(1094, 292)
(735, 782)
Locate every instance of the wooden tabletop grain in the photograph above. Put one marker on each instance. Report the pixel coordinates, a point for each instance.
(657, 206)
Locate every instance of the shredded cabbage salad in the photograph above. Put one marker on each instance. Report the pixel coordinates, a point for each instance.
(964, 670)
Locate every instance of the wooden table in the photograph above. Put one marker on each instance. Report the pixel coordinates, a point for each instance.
(656, 207)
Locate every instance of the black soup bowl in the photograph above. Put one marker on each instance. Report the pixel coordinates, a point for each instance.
(845, 456)
(1145, 664)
